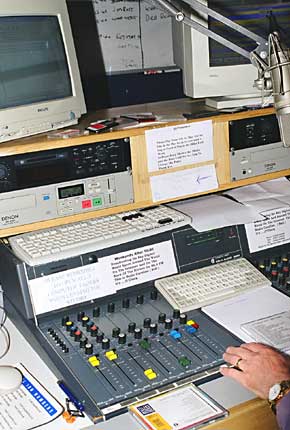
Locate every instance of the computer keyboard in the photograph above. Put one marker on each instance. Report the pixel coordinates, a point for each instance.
(69, 240)
(208, 285)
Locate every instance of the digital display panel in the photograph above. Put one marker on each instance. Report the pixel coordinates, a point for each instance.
(71, 191)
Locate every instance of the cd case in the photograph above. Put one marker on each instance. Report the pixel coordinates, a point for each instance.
(183, 408)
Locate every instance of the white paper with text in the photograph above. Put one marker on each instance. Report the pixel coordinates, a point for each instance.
(270, 232)
(141, 264)
(69, 287)
(179, 145)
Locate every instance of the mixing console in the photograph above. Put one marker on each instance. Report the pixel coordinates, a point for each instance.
(275, 266)
(123, 349)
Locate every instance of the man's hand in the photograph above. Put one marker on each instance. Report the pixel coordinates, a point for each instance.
(259, 367)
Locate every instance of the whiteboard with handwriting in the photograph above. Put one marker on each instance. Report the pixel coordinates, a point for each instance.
(134, 35)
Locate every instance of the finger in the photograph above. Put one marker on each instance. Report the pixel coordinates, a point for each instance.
(231, 358)
(239, 351)
(233, 373)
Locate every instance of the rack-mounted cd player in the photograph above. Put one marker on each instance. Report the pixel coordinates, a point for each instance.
(54, 183)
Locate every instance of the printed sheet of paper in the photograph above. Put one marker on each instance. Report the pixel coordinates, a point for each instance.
(274, 230)
(69, 287)
(141, 265)
(273, 330)
(183, 182)
(179, 145)
(28, 407)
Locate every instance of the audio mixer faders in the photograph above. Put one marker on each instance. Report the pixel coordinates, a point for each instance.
(131, 345)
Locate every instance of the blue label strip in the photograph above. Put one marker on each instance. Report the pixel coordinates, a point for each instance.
(39, 397)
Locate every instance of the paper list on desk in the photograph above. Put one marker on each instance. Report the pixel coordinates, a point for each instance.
(141, 264)
(179, 145)
(274, 230)
(70, 287)
(183, 182)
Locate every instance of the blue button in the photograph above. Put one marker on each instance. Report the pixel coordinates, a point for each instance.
(45, 197)
(190, 329)
(175, 334)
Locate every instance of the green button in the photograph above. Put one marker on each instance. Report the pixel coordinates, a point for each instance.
(97, 201)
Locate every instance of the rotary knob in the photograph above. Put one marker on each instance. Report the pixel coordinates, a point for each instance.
(146, 322)
(122, 338)
(116, 331)
(131, 327)
(140, 299)
(168, 323)
(88, 348)
(138, 333)
(105, 343)
(161, 317)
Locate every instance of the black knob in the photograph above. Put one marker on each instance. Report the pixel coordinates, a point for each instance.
(131, 327)
(65, 349)
(168, 323)
(77, 335)
(89, 348)
(161, 317)
(99, 337)
(183, 319)
(64, 320)
(111, 308)
(83, 342)
(153, 328)
(140, 299)
(116, 331)
(96, 312)
(3, 171)
(154, 295)
(176, 314)
(146, 322)
(138, 333)
(126, 303)
(80, 315)
(105, 343)
(122, 338)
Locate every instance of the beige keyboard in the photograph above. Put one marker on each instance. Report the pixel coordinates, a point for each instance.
(208, 285)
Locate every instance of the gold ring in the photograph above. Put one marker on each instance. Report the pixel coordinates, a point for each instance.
(238, 363)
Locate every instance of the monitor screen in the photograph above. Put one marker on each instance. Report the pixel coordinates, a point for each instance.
(33, 62)
(211, 69)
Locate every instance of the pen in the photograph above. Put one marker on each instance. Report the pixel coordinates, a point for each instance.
(78, 404)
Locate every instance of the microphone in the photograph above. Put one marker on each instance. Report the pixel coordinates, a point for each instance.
(280, 75)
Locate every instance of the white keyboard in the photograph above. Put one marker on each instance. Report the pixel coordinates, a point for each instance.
(202, 287)
(70, 240)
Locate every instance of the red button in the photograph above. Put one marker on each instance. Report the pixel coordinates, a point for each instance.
(86, 204)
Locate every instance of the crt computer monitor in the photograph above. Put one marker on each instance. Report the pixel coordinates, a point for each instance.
(212, 70)
(40, 86)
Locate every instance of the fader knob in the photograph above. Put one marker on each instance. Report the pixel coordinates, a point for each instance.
(96, 312)
(176, 314)
(126, 303)
(89, 348)
(146, 322)
(111, 308)
(138, 333)
(80, 316)
(168, 323)
(183, 319)
(116, 331)
(122, 338)
(105, 343)
(161, 317)
(99, 337)
(140, 299)
(131, 327)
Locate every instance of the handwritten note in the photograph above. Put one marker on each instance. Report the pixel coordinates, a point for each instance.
(133, 35)
(270, 232)
(67, 288)
(141, 265)
(179, 145)
(184, 182)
